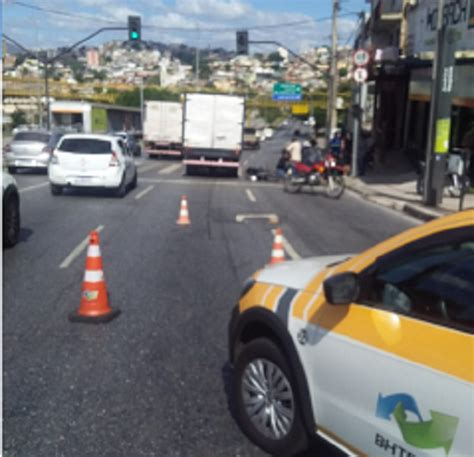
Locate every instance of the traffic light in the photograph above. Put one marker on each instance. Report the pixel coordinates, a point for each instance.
(242, 42)
(134, 28)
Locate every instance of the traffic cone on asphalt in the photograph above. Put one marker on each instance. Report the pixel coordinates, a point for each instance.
(183, 212)
(94, 307)
(278, 252)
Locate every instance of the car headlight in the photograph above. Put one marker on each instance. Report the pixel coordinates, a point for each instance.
(248, 284)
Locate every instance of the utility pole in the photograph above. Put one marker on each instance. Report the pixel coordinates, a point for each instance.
(46, 94)
(440, 110)
(141, 104)
(331, 115)
(197, 54)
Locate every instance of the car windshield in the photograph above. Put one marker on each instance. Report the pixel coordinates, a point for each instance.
(85, 146)
(41, 137)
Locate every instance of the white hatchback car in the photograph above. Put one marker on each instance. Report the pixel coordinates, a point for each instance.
(87, 160)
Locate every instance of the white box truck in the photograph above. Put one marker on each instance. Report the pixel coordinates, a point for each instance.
(163, 129)
(213, 131)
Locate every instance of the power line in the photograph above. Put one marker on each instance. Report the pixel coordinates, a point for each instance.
(179, 29)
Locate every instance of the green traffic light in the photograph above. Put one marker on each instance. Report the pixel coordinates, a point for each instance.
(134, 35)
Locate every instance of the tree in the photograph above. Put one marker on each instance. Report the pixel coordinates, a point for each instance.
(275, 57)
(343, 72)
(18, 118)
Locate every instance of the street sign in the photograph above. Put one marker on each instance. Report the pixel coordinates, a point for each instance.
(361, 58)
(300, 108)
(286, 92)
(360, 75)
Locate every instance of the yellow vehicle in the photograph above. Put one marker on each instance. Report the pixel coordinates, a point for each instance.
(373, 352)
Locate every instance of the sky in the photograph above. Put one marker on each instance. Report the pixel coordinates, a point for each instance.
(298, 24)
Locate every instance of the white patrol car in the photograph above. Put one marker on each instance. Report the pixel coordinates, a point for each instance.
(374, 353)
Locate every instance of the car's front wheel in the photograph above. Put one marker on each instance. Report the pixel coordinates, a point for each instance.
(266, 399)
(11, 221)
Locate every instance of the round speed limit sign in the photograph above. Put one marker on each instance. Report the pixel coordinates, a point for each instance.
(360, 75)
(361, 57)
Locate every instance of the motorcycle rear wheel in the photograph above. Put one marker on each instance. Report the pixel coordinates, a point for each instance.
(335, 186)
(291, 186)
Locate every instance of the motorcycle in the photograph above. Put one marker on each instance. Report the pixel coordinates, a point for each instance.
(325, 173)
(454, 179)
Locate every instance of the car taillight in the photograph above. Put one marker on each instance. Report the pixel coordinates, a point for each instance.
(7, 148)
(114, 161)
(47, 149)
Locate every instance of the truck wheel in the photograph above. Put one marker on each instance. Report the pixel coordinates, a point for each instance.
(56, 190)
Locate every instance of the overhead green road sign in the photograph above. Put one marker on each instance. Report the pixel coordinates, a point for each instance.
(286, 92)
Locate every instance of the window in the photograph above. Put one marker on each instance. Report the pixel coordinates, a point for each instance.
(435, 283)
(32, 136)
(85, 146)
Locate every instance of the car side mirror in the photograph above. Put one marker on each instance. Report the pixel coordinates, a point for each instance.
(341, 289)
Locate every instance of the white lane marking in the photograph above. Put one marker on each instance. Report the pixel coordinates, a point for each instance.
(168, 170)
(289, 248)
(149, 167)
(78, 250)
(36, 186)
(272, 218)
(143, 192)
(250, 195)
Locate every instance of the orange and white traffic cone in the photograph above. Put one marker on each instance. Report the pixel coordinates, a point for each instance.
(183, 212)
(94, 307)
(278, 252)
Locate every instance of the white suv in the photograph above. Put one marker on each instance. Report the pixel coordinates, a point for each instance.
(11, 210)
(84, 160)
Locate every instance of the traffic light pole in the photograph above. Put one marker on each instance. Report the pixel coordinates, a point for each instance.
(46, 62)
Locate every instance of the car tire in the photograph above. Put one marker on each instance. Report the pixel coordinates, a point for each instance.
(11, 220)
(12, 170)
(122, 189)
(262, 355)
(134, 182)
(56, 190)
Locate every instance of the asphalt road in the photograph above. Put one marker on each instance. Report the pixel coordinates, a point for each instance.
(154, 381)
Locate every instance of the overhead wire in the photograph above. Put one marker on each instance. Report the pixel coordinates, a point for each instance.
(179, 29)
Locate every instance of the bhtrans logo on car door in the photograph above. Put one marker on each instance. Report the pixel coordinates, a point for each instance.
(376, 401)
(437, 432)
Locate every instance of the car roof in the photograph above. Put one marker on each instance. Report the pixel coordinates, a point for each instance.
(89, 136)
(456, 220)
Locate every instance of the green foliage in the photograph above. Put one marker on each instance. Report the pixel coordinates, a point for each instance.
(18, 118)
(275, 57)
(343, 72)
(270, 115)
(132, 97)
(100, 75)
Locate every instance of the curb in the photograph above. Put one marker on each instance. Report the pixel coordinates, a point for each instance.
(392, 203)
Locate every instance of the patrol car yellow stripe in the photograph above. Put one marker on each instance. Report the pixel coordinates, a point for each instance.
(443, 349)
(272, 297)
(261, 294)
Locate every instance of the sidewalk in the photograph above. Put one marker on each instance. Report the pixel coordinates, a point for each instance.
(398, 191)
